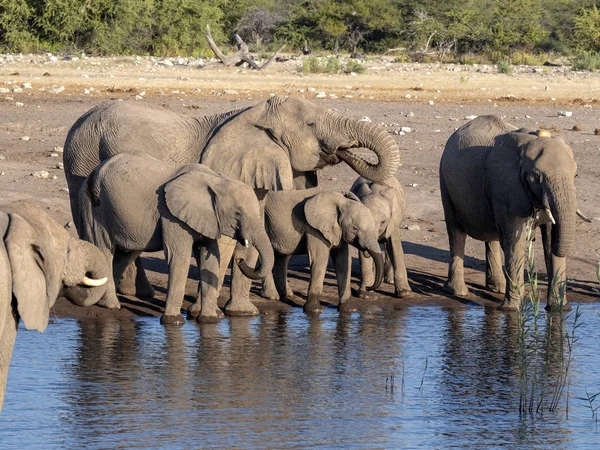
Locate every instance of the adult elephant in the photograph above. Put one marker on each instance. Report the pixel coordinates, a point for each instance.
(277, 144)
(38, 262)
(494, 178)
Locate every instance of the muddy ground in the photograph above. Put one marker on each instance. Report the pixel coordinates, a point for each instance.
(29, 134)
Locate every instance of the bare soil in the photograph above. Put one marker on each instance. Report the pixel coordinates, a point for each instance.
(45, 119)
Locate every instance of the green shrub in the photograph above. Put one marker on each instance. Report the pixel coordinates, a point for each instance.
(314, 64)
(587, 61)
(504, 67)
(528, 59)
(354, 66)
(332, 65)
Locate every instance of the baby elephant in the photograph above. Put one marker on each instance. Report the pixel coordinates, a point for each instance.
(134, 203)
(386, 202)
(319, 224)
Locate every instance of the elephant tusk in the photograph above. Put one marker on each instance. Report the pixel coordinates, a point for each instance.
(582, 217)
(550, 216)
(544, 133)
(246, 243)
(91, 282)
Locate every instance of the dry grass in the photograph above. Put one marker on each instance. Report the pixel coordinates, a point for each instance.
(384, 81)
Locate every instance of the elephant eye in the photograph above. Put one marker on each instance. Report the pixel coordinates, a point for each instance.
(534, 178)
(310, 123)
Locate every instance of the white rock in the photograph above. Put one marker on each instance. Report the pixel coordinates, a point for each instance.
(321, 95)
(413, 184)
(470, 117)
(348, 96)
(565, 113)
(365, 119)
(410, 114)
(26, 86)
(406, 129)
(407, 96)
(311, 89)
(56, 89)
(430, 103)
(64, 190)
(2, 157)
(25, 138)
(17, 90)
(2, 173)
(60, 166)
(165, 62)
(85, 91)
(413, 228)
(54, 177)
(58, 149)
(53, 155)
(352, 74)
(230, 91)
(139, 97)
(53, 58)
(4, 90)
(41, 174)
(19, 104)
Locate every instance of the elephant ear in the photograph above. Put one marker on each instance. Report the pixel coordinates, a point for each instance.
(322, 213)
(191, 199)
(503, 167)
(393, 199)
(29, 287)
(352, 196)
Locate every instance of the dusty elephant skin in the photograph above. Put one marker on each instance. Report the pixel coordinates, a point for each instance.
(494, 178)
(319, 224)
(277, 144)
(386, 202)
(135, 203)
(38, 262)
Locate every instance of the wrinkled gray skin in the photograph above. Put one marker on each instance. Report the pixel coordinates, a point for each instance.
(319, 224)
(135, 203)
(277, 144)
(386, 202)
(39, 261)
(494, 179)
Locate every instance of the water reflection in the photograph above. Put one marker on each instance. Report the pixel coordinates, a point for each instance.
(292, 381)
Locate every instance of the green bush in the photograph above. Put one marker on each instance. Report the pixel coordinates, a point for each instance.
(314, 64)
(354, 66)
(587, 61)
(504, 67)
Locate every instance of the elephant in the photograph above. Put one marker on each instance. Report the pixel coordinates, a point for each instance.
(278, 144)
(494, 179)
(320, 223)
(133, 203)
(386, 202)
(39, 261)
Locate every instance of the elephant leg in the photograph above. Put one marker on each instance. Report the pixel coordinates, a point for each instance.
(269, 290)
(395, 253)
(389, 269)
(367, 276)
(456, 273)
(177, 245)
(239, 303)
(342, 264)
(226, 249)
(280, 271)
(134, 281)
(318, 257)
(556, 296)
(494, 278)
(206, 308)
(512, 242)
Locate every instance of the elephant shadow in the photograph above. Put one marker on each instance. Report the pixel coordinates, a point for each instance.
(440, 255)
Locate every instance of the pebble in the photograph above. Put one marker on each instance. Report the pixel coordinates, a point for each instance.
(407, 96)
(366, 119)
(230, 91)
(56, 89)
(413, 228)
(410, 114)
(64, 190)
(2, 157)
(54, 177)
(139, 97)
(60, 166)
(4, 90)
(26, 86)
(58, 149)
(43, 174)
(576, 127)
(25, 138)
(430, 103)
(565, 113)
(53, 155)
(19, 104)
(321, 95)
(17, 90)
(311, 89)
(406, 129)
(470, 117)
(3, 173)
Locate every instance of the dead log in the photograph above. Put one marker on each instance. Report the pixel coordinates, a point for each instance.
(241, 56)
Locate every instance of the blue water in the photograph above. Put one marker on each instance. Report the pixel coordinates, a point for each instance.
(292, 381)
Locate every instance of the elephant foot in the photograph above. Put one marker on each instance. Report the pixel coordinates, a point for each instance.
(402, 293)
(241, 309)
(194, 310)
(367, 295)
(269, 294)
(211, 318)
(498, 288)
(508, 306)
(110, 303)
(313, 305)
(554, 308)
(175, 319)
(389, 279)
(460, 290)
(346, 308)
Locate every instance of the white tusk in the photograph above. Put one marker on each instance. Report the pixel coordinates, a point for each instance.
(544, 133)
(582, 217)
(91, 282)
(245, 242)
(550, 216)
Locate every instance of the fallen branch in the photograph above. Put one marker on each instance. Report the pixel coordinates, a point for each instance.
(241, 56)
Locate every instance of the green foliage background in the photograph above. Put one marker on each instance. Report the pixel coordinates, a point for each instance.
(461, 29)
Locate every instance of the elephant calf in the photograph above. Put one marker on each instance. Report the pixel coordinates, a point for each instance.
(319, 224)
(135, 203)
(38, 262)
(386, 202)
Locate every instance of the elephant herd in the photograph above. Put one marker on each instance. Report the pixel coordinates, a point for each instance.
(244, 184)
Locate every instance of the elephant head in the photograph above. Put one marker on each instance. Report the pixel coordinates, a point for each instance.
(384, 202)
(339, 218)
(267, 145)
(214, 205)
(531, 173)
(40, 261)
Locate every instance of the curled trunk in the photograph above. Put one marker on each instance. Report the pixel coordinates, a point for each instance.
(84, 260)
(258, 238)
(370, 137)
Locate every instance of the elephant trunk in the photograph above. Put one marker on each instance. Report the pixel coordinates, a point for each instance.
(363, 134)
(85, 274)
(377, 255)
(560, 199)
(256, 234)
(7, 341)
